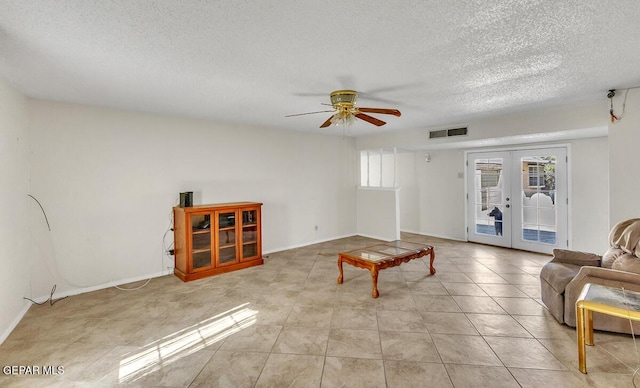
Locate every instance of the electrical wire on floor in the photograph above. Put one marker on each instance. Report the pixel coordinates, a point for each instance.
(132, 289)
(50, 300)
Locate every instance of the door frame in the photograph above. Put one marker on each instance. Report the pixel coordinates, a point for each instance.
(568, 243)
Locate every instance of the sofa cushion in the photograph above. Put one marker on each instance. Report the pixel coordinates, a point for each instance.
(628, 263)
(575, 257)
(558, 275)
(610, 256)
(626, 236)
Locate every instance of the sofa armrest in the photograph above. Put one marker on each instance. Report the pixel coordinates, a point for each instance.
(576, 258)
(595, 275)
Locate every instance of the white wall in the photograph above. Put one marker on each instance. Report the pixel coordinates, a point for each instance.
(378, 213)
(14, 207)
(409, 204)
(440, 194)
(436, 193)
(108, 180)
(590, 195)
(440, 199)
(624, 174)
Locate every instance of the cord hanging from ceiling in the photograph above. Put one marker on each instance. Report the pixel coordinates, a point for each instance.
(610, 95)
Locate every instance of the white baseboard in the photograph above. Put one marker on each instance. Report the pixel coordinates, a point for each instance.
(434, 235)
(308, 243)
(374, 237)
(82, 290)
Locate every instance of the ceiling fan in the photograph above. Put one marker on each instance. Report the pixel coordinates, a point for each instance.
(346, 111)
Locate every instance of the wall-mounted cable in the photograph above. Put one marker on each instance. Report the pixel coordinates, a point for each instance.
(43, 212)
(610, 95)
(53, 270)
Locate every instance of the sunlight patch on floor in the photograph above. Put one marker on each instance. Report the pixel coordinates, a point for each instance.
(182, 343)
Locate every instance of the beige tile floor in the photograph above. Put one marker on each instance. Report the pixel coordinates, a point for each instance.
(478, 322)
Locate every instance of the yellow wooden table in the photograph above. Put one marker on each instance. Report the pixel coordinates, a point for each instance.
(613, 301)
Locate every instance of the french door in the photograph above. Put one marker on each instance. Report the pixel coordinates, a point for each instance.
(518, 199)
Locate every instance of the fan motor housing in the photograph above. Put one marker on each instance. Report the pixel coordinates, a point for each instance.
(343, 97)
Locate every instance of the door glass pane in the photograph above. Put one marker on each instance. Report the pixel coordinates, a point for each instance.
(487, 193)
(538, 188)
(201, 240)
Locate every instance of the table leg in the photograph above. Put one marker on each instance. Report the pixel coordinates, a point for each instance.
(374, 279)
(340, 278)
(432, 257)
(580, 323)
(588, 327)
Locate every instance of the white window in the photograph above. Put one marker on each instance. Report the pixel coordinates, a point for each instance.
(536, 175)
(378, 168)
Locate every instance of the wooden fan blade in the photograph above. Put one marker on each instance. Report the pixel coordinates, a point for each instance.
(327, 123)
(370, 119)
(310, 113)
(394, 112)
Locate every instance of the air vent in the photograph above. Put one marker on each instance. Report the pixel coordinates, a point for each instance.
(447, 132)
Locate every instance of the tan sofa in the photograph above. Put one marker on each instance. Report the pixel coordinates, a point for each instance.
(562, 279)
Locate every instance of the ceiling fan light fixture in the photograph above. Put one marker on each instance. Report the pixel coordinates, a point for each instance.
(344, 118)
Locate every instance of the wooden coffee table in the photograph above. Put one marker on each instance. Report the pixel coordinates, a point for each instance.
(384, 255)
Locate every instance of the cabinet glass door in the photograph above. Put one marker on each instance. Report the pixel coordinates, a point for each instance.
(226, 237)
(249, 234)
(201, 241)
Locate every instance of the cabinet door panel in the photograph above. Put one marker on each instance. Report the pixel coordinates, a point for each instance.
(226, 238)
(227, 255)
(201, 260)
(201, 241)
(250, 233)
(249, 250)
(226, 220)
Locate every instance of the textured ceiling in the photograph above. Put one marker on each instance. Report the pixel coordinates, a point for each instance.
(253, 62)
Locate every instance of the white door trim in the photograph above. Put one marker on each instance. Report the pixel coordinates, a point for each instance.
(566, 243)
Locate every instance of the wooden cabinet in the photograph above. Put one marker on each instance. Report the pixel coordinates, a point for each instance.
(218, 238)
